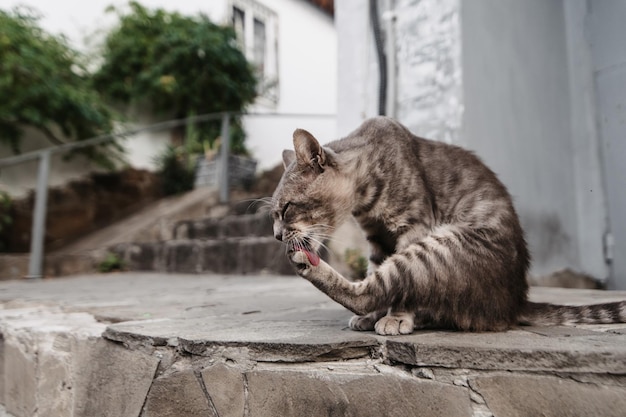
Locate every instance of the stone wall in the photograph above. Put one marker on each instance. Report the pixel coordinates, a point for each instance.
(83, 206)
(151, 345)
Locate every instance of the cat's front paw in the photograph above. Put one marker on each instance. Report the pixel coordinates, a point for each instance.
(300, 262)
(393, 325)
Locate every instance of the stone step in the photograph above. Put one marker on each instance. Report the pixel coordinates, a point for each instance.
(164, 345)
(240, 255)
(247, 225)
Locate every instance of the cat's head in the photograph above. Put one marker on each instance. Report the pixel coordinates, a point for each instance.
(313, 195)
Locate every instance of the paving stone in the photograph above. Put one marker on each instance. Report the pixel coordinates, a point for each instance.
(219, 256)
(55, 391)
(273, 341)
(263, 254)
(20, 370)
(225, 386)
(38, 358)
(111, 380)
(177, 394)
(332, 393)
(512, 350)
(522, 396)
(2, 399)
(182, 256)
(144, 256)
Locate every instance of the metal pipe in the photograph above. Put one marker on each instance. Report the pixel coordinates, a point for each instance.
(382, 59)
(224, 157)
(35, 262)
(389, 17)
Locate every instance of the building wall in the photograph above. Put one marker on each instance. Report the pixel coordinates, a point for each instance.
(510, 80)
(517, 117)
(606, 32)
(307, 69)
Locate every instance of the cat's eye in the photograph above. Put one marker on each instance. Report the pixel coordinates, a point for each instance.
(284, 212)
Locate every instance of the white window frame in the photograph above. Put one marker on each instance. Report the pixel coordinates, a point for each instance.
(268, 87)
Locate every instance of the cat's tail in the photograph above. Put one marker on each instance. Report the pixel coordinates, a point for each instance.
(552, 314)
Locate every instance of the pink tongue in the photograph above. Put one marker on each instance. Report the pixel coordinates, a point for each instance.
(313, 257)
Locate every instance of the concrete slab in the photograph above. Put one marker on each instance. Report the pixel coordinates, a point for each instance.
(244, 340)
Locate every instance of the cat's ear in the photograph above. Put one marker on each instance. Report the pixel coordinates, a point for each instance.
(308, 150)
(288, 157)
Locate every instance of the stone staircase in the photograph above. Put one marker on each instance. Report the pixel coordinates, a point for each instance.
(235, 244)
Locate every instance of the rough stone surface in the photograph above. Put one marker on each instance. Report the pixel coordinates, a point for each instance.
(167, 345)
(258, 224)
(513, 350)
(225, 386)
(111, 380)
(54, 384)
(20, 375)
(178, 394)
(508, 395)
(218, 256)
(2, 378)
(224, 256)
(39, 356)
(334, 393)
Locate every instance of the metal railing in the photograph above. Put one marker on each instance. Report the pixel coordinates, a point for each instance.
(36, 258)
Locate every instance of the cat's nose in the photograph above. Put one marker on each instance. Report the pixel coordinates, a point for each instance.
(278, 236)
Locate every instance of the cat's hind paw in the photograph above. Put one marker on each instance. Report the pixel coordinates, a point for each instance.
(393, 325)
(362, 323)
(366, 322)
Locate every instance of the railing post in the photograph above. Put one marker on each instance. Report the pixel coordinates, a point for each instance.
(35, 263)
(224, 156)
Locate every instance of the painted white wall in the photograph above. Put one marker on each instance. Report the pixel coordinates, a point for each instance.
(307, 52)
(517, 117)
(606, 32)
(509, 80)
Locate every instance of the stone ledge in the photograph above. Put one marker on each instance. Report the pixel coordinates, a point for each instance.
(184, 345)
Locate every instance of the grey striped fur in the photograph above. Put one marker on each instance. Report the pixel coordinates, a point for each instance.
(447, 248)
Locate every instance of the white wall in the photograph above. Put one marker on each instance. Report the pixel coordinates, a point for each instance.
(307, 52)
(517, 118)
(606, 33)
(358, 71)
(495, 76)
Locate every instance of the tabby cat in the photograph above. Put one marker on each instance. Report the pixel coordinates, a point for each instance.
(447, 248)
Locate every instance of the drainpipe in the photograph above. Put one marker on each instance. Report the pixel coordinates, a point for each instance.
(382, 59)
(389, 17)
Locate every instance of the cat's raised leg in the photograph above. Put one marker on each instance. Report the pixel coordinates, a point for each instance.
(361, 297)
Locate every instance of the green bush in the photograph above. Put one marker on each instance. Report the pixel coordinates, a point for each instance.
(44, 85)
(176, 65)
(356, 262)
(177, 174)
(111, 263)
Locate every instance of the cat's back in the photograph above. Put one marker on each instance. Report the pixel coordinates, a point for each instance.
(378, 132)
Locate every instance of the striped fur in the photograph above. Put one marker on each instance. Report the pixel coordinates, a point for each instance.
(447, 249)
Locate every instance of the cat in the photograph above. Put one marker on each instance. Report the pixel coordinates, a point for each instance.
(446, 246)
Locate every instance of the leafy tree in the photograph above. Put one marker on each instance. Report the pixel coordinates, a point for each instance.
(177, 65)
(44, 85)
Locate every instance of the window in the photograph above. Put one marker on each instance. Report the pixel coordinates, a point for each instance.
(255, 26)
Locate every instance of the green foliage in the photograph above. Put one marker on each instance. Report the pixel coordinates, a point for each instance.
(177, 65)
(177, 175)
(111, 263)
(6, 219)
(43, 85)
(356, 262)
